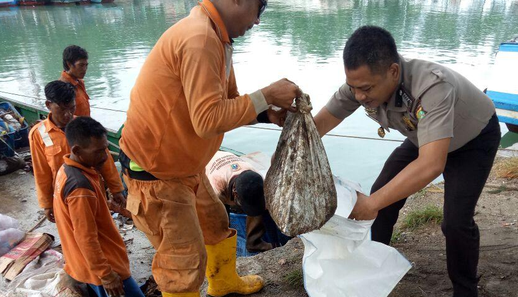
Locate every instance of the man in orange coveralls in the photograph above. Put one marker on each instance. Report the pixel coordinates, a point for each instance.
(48, 146)
(184, 100)
(93, 248)
(75, 65)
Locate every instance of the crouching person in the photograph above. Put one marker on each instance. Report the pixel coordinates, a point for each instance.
(238, 185)
(94, 251)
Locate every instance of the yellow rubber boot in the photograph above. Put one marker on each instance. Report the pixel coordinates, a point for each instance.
(221, 271)
(196, 294)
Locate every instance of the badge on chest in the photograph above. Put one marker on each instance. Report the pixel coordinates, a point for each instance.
(415, 111)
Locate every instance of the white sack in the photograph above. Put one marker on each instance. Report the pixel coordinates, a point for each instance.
(340, 260)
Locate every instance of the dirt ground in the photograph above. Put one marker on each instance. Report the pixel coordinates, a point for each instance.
(496, 216)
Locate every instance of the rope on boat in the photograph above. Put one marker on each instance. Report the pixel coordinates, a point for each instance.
(331, 134)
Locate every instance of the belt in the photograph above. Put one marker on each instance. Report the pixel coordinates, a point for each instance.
(138, 175)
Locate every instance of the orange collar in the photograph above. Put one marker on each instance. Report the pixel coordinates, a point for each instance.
(74, 81)
(213, 14)
(73, 163)
(49, 124)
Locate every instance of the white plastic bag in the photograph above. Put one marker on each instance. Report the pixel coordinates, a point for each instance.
(9, 238)
(340, 260)
(43, 277)
(7, 222)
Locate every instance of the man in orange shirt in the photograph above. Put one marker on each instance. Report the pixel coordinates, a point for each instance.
(184, 100)
(93, 248)
(48, 146)
(75, 65)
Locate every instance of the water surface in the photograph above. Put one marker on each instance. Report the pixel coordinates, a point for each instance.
(298, 39)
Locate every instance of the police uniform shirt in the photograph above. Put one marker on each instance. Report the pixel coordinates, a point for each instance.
(432, 102)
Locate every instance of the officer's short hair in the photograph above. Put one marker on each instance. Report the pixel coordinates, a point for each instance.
(81, 129)
(73, 53)
(372, 46)
(59, 92)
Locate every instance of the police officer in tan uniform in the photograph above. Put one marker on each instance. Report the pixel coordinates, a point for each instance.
(451, 129)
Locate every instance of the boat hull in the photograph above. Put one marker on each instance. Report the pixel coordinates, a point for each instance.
(33, 2)
(59, 2)
(33, 113)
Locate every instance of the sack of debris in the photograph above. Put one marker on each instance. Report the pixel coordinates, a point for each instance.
(299, 189)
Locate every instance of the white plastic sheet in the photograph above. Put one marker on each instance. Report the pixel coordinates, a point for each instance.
(6, 222)
(43, 277)
(10, 235)
(9, 238)
(340, 260)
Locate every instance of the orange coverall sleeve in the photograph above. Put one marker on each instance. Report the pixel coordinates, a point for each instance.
(42, 173)
(200, 72)
(111, 175)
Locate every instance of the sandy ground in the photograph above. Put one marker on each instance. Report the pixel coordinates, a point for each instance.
(497, 215)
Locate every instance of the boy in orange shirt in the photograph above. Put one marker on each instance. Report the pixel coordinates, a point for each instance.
(93, 248)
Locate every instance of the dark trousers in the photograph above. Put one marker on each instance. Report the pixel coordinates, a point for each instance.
(465, 174)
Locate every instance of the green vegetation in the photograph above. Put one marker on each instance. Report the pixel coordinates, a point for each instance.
(430, 214)
(295, 278)
(498, 190)
(396, 236)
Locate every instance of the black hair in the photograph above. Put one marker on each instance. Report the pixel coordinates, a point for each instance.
(81, 129)
(73, 53)
(59, 92)
(372, 46)
(250, 191)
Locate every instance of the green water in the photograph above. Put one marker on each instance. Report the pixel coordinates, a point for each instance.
(298, 39)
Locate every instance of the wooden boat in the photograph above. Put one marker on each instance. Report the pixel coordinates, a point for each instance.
(503, 89)
(33, 2)
(33, 113)
(101, 1)
(58, 2)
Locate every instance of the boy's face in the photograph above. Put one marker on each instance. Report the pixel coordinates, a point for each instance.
(93, 155)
